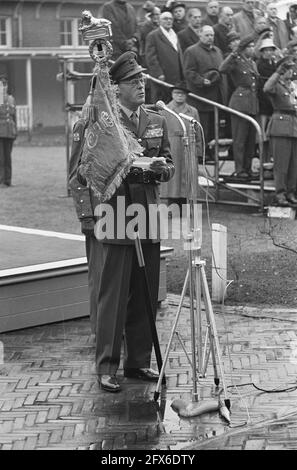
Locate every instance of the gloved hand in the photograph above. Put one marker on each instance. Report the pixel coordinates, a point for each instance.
(87, 226)
(283, 68)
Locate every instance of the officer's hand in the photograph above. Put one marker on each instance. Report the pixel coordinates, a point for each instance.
(87, 226)
(282, 69)
(206, 82)
(158, 165)
(162, 78)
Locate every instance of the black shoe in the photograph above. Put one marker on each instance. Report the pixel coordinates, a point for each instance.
(108, 383)
(149, 375)
(291, 198)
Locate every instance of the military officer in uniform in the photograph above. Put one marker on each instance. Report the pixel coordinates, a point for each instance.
(282, 130)
(121, 306)
(242, 70)
(8, 132)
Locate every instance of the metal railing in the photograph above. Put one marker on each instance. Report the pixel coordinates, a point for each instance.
(217, 183)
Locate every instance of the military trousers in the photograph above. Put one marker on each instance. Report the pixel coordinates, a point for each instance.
(5, 160)
(284, 152)
(244, 141)
(94, 252)
(122, 307)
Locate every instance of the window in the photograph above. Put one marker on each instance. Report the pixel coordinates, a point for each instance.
(70, 36)
(5, 32)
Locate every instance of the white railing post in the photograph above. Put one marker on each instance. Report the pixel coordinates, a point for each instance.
(219, 261)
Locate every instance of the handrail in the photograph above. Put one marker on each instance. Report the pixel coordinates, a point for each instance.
(236, 113)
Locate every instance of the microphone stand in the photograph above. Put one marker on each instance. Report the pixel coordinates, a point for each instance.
(195, 275)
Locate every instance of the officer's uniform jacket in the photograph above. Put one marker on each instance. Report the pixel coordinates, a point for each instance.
(244, 75)
(8, 128)
(283, 122)
(153, 137)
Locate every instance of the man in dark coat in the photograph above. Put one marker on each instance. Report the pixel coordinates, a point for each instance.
(212, 13)
(244, 20)
(283, 131)
(124, 25)
(222, 29)
(278, 26)
(120, 294)
(163, 57)
(151, 22)
(190, 35)
(201, 69)
(243, 71)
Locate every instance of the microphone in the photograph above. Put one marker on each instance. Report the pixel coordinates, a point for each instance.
(162, 106)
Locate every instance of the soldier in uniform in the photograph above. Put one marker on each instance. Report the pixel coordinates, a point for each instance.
(8, 132)
(121, 305)
(282, 130)
(242, 70)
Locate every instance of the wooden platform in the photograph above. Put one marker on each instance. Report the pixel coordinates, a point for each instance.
(43, 277)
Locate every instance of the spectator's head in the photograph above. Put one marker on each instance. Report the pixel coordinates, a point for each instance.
(194, 17)
(267, 49)
(166, 20)
(260, 23)
(212, 8)
(246, 46)
(178, 10)
(271, 10)
(248, 5)
(206, 35)
(233, 40)
(226, 16)
(155, 15)
(179, 93)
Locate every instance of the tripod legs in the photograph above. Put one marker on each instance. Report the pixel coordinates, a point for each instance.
(211, 335)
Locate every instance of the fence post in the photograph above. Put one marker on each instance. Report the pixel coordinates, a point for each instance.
(219, 261)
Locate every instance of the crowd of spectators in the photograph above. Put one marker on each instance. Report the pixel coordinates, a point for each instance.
(222, 55)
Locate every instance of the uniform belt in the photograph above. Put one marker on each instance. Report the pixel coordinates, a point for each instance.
(146, 177)
(287, 111)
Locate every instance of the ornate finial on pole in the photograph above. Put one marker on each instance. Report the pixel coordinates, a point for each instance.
(97, 31)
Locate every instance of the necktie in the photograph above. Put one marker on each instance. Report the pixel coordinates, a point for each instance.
(134, 120)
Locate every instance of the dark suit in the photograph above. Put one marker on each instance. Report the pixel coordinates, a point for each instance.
(198, 60)
(221, 38)
(244, 76)
(124, 24)
(120, 296)
(8, 133)
(282, 131)
(162, 59)
(187, 37)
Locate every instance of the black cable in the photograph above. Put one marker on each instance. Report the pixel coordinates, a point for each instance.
(275, 390)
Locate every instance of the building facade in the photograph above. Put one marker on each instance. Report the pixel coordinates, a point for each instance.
(34, 36)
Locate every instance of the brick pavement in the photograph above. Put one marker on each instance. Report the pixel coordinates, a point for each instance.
(49, 397)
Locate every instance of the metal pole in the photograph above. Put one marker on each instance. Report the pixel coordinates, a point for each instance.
(216, 152)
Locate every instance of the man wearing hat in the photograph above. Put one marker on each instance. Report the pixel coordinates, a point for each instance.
(178, 11)
(121, 305)
(282, 131)
(242, 70)
(266, 65)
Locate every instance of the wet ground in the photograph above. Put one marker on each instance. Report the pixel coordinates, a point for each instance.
(49, 397)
